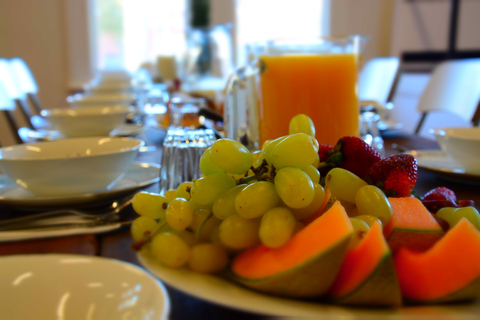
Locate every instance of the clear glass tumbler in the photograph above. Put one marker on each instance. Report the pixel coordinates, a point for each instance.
(182, 149)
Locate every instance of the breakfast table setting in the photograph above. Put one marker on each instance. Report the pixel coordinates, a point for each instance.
(69, 202)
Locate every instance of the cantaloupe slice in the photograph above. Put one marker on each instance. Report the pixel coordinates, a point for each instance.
(411, 225)
(367, 276)
(448, 272)
(305, 266)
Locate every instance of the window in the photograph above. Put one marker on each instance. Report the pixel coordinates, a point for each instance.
(128, 33)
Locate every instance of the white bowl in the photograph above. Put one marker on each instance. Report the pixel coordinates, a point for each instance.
(69, 166)
(462, 144)
(85, 100)
(86, 121)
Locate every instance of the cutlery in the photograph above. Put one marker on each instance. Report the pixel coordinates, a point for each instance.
(91, 215)
(63, 226)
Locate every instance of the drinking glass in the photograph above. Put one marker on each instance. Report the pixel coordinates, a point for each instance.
(182, 149)
(369, 131)
(317, 78)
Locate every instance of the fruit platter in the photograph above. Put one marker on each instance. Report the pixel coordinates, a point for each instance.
(302, 228)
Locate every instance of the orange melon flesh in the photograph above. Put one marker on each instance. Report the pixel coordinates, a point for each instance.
(324, 232)
(411, 225)
(441, 273)
(367, 276)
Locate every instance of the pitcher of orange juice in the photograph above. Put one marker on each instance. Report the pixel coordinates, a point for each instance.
(284, 78)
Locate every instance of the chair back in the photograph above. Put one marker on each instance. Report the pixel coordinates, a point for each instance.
(25, 81)
(454, 87)
(376, 80)
(7, 79)
(7, 106)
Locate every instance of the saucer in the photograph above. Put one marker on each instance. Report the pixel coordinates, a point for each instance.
(439, 163)
(69, 287)
(138, 176)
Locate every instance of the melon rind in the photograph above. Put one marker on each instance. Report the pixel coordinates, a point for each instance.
(380, 289)
(310, 279)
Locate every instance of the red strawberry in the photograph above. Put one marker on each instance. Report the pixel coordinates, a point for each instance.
(442, 197)
(440, 193)
(395, 175)
(352, 154)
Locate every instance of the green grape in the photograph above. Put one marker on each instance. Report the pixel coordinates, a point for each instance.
(208, 258)
(296, 150)
(183, 190)
(369, 219)
(301, 123)
(187, 236)
(170, 250)
(179, 214)
(170, 194)
(143, 227)
(277, 227)
(313, 173)
(237, 232)
(343, 184)
(150, 204)
(206, 189)
(314, 206)
(316, 162)
(267, 151)
(197, 206)
(453, 217)
(203, 223)
(294, 187)
(370, 200)
(255, 199)
(360, 229)
(231, 156)
(206, 165)
(224, 205)
(446, 211)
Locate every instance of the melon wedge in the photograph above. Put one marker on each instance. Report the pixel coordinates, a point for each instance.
(411, 225)
(448, 272)
(304, 267)
(367, 276)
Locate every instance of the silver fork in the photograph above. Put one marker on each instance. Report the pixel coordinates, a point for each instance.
(66, 217)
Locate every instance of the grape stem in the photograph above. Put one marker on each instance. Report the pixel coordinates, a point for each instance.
(147, 237)
(259, 174)
(200, 227)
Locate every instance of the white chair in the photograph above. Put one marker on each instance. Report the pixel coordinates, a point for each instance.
(26, 82)
(377, 82)
(454, 87)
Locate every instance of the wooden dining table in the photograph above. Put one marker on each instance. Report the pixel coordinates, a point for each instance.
(117, 244)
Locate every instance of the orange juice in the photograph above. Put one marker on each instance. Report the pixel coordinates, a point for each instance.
(320, 86)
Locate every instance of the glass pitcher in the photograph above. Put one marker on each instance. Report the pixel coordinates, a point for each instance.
(285, 78)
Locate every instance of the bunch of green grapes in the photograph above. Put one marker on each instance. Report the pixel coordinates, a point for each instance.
(365, 204)
(243, 199)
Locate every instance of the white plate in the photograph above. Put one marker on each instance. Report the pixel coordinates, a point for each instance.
(438, 162)
(73, 287)
(220, 291)
(127, 129)
(140, 175)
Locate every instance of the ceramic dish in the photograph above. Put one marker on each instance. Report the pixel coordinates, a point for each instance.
(439, 163)
(138, 176)
(219, 291)
(74, 287)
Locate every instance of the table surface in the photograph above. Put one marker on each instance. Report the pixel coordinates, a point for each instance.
(116, 244)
